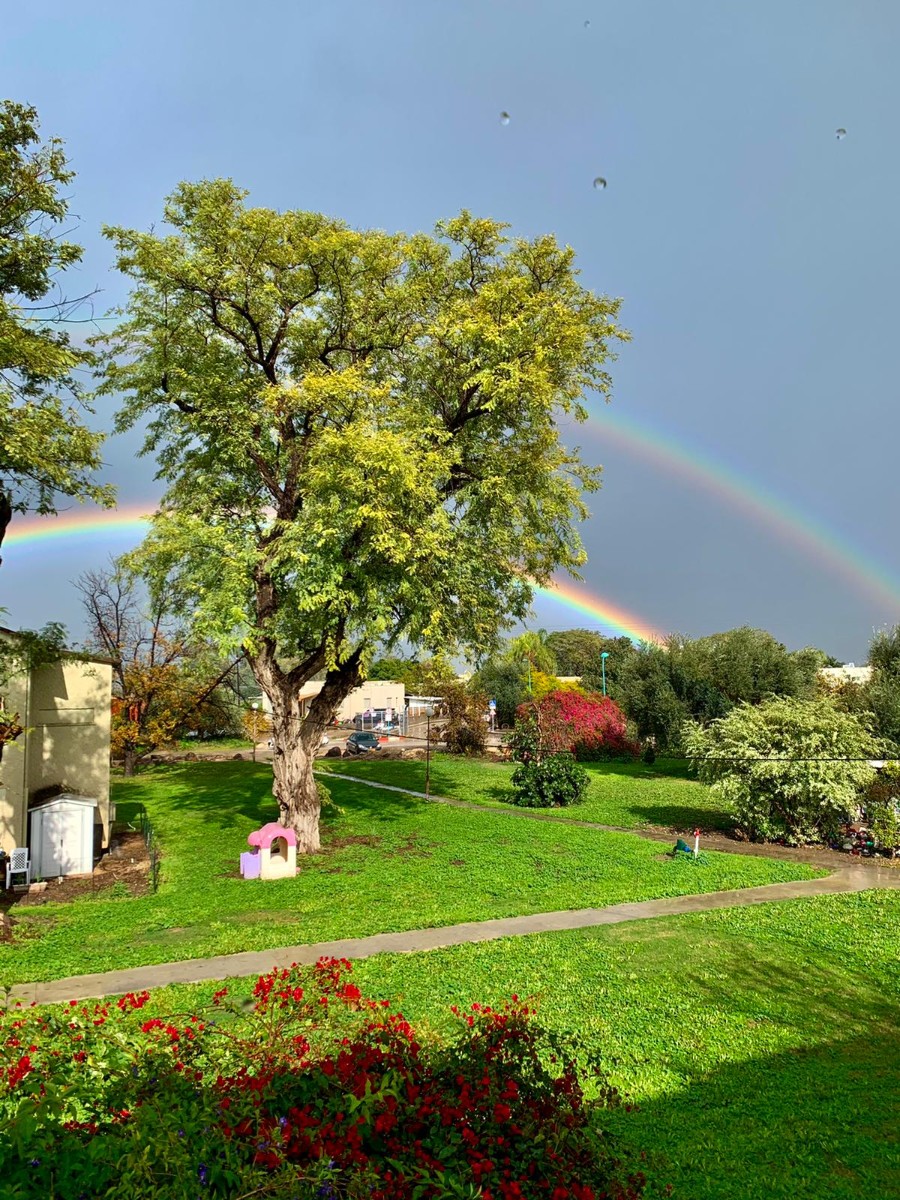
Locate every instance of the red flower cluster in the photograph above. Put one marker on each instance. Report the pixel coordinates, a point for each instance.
(341, 1092)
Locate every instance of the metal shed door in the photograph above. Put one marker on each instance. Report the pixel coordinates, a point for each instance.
(62, 842)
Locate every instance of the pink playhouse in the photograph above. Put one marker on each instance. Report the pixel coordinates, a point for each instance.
(273, 854)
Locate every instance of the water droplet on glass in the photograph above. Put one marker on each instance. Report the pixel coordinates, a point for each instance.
(599, 183)
(840, 134)
(587, 24)
(504, 118)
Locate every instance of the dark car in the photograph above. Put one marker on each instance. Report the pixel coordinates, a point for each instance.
(362, 742)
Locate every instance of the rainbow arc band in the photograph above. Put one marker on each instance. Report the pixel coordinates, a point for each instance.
(131, 524)
(761, 504)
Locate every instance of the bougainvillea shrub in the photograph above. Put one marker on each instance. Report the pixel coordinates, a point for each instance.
(594, 726)
(312, 1091)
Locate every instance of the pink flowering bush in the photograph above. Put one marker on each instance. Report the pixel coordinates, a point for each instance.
(590, 726)
(315, 1091)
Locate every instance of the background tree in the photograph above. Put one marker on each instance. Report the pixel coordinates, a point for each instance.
(358, 432)
(45, 448)
(577, 652)
(164, 681)
(505, 682)
(882, 692)
(786, 768)
(462, 717)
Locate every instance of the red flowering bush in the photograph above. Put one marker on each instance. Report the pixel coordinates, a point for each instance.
(313, 1092)
(593, 726)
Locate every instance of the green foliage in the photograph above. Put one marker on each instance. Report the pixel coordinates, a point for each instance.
(702, 679)
(552, 782)
(530, 648)
(390, 667)
(786, 768)
(505, 682)
(547, 774)
(392, 399)
(445, 865)
(462, 725)
(648, 697)
(577, 652)
(882, 804)
(45, 448)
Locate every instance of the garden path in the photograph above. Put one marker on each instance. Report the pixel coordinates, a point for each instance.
(257, 962)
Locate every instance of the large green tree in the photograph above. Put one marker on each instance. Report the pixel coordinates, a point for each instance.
(45, 448)
(358, 434)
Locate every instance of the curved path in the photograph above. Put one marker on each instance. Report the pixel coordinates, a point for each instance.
(815, 856)
(256, 962)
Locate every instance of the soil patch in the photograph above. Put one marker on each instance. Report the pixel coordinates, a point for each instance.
(356, 839)
(126, 863)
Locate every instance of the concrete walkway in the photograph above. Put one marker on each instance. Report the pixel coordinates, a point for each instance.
(255, 962)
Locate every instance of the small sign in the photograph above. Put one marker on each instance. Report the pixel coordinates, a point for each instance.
(492, 704)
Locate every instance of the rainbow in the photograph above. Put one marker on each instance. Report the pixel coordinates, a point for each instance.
(758, 502)
(131, 524)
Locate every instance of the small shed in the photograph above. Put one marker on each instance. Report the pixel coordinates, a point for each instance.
(66, 836)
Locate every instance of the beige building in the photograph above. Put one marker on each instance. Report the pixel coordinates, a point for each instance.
(848, 673)
(373, 695)
(65, 710)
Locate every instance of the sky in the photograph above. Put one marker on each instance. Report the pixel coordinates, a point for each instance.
(756, 253)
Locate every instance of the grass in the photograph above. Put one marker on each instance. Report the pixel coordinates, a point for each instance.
(623, 793)
(213, 744)
(391, 862)
(760, 1044)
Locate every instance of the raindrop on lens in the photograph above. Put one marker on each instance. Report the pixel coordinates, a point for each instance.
(840, 134)
(504, 118)
(587, 24)
(599, 183)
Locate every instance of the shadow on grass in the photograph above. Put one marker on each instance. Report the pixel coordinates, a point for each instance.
(814, 1123)
(818, 1121)
(682, 818)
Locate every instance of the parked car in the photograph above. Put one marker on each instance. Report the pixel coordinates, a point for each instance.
(362, 742)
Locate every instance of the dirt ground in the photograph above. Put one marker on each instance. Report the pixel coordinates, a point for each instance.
(128, 863)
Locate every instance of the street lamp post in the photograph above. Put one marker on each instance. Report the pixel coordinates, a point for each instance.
(603, 657)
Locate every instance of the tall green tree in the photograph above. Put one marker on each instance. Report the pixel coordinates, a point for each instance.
(45, 448)
(358, 434)
(577, 652)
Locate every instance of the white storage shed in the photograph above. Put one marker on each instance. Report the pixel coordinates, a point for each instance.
(66, 836)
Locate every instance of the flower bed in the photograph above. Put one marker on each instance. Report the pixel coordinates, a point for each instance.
(313, 1091)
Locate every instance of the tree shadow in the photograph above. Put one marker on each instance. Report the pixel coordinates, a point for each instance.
(681, 818)
(805, 1123)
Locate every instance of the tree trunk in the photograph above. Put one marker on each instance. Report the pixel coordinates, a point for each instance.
(6, 513)
(293, 783)
(296, 738)
(128, 761)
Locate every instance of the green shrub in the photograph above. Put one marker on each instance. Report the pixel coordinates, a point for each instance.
(551, 782)
(883, 808)
(787, 769)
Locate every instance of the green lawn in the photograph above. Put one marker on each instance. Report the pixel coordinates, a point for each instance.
(391, 862)
(628, 794)
(761, 1044)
